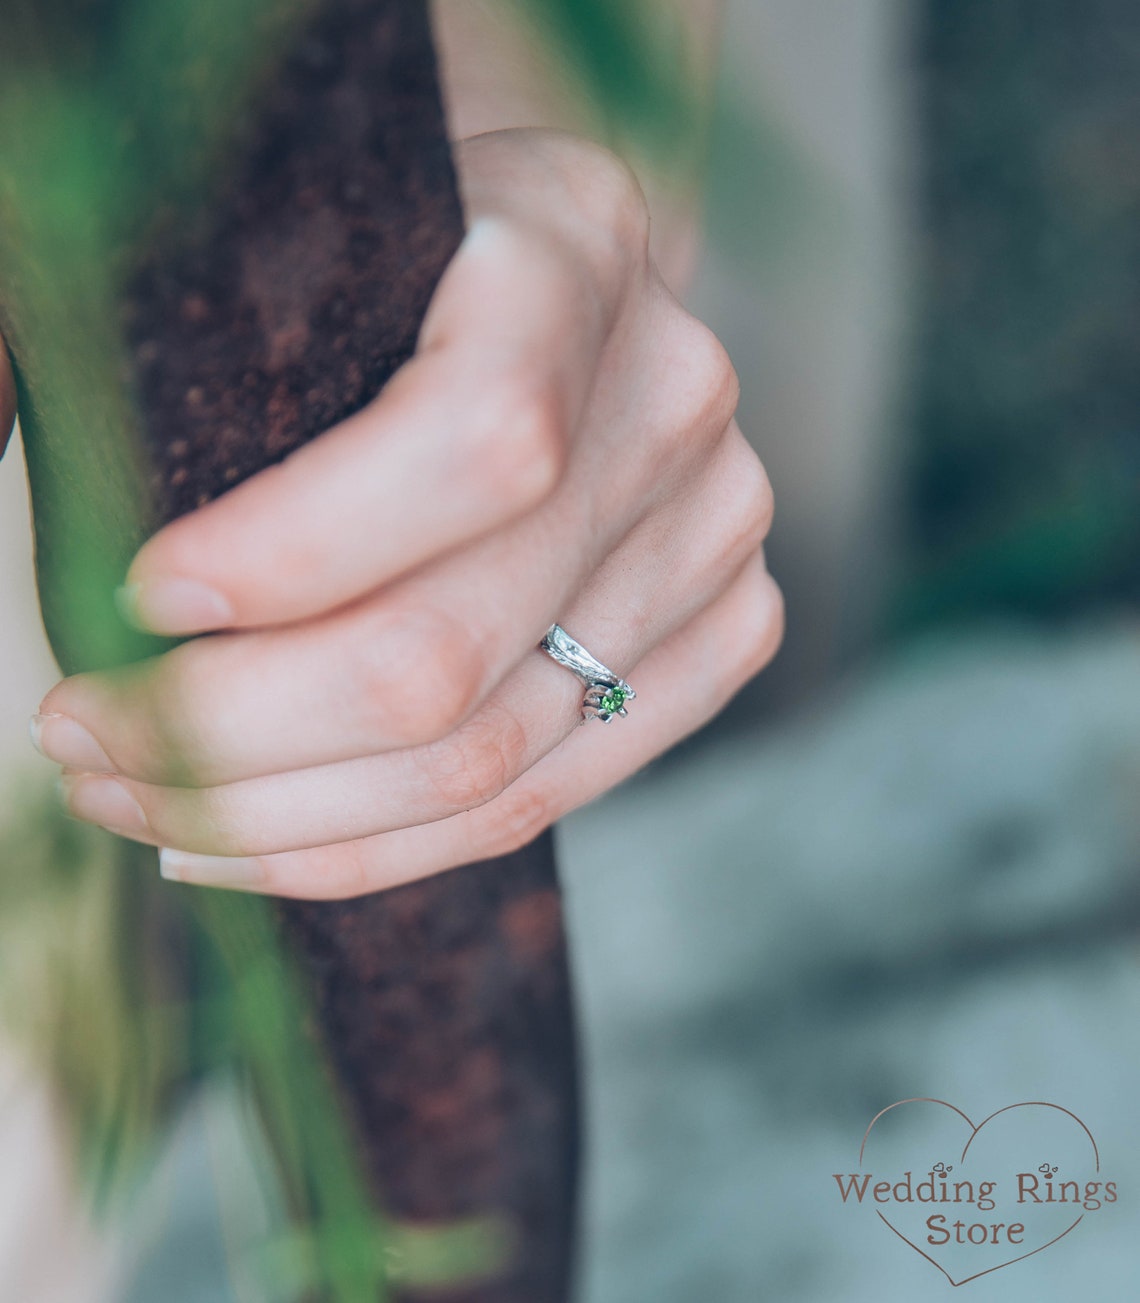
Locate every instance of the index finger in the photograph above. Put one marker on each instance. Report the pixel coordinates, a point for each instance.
(466, 437)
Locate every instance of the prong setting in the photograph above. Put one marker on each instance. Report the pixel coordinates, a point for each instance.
(605, 700)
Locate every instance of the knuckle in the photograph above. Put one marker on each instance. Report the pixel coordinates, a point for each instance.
(153, 718)
(220, 823)
(338, 872)
(534, 449)
(746, 507)
(477, 762)
(418, 679)
(603, 194)
(334, 873)
(518, 446)
(761, 626)
(177, 733)
(590, 191)
(710, 388)
(515, 819)
(618, 203)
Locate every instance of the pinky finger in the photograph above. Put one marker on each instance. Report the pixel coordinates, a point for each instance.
(682, 684)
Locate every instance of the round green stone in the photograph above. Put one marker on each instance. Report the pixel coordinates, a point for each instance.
(612, 702)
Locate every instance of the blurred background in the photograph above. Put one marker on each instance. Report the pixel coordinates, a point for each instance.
(905, 861)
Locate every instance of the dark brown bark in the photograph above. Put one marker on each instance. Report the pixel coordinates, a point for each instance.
(280, 306)
(445, 1005)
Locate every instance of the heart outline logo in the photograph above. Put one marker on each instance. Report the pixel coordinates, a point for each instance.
(974, 1131)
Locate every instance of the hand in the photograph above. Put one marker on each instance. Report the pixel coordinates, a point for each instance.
(562, 447)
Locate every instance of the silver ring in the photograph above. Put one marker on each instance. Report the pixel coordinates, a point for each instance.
(606, 694)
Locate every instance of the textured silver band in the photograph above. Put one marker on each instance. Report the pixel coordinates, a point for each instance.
(606, 693)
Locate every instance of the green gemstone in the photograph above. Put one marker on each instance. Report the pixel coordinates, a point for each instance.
(612, 702)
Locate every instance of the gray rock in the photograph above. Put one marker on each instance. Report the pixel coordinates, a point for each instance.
(927, 889)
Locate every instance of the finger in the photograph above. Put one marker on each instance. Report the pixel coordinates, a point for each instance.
(683, 683)
(534, 708)
(410, 665)
(469, 434)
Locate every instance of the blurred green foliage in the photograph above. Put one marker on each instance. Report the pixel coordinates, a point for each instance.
(110, 115)
(88, 985)
(635, 64)
(633, 58)
(1025, 455)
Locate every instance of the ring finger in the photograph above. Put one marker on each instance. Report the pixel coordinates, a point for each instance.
(720, 650)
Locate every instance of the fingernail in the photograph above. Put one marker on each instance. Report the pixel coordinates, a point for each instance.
(67, 742)
(237, 872)
(100, 799)
(174, 606)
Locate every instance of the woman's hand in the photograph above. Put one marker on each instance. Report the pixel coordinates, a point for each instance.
(374, 707)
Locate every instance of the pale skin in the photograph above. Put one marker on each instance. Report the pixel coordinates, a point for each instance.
(373, 707)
